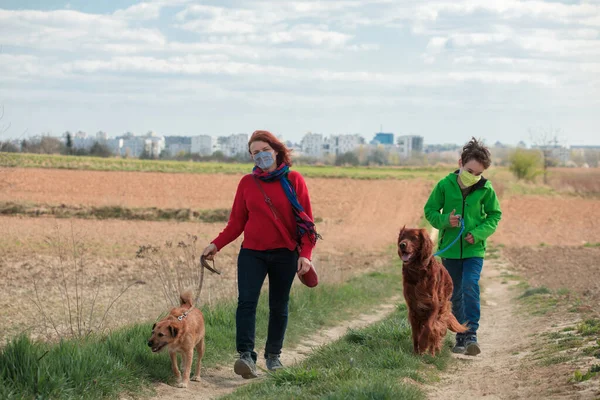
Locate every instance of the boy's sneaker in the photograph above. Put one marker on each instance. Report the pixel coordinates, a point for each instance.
(273, 362)
(245, 366)
(471, 346)
(459, 347)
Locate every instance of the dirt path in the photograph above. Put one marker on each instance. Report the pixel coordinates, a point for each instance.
(220, 381)
(493, 374)
(504, 369)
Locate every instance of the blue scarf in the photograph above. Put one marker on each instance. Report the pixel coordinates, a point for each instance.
(304, 224)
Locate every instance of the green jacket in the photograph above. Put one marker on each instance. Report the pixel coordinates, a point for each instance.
(480, 211)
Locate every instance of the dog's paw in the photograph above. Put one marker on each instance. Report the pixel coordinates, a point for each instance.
(182, 385)
(196, 378)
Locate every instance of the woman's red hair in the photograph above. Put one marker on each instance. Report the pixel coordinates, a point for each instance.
(283, 153)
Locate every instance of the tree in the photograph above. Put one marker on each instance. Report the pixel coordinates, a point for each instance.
(378, 157)
(546, 140)
(577, 157)
(69, 142)
(524, 163)
(51, 145)
(100, 150)
(393, 158)
(165, 155)
(146, 155)
(219, 155)
(592, 157)
(8, 147)
(348, 158)
(362, 155)
(3, 128)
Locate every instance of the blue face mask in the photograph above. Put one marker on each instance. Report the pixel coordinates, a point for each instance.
(264, 160)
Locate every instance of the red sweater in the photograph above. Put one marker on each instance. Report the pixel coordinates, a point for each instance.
(253, 216)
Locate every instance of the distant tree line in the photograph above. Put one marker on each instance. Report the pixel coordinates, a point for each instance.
(52, 145)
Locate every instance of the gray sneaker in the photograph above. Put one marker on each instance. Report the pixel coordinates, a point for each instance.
(273, 362)
(471, 346)
(245, 366)
(459, 347)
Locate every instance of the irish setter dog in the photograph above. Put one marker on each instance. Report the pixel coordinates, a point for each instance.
(427, 290)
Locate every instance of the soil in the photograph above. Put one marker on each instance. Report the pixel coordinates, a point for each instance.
(572, 268)
(552, 220)
(357, 230)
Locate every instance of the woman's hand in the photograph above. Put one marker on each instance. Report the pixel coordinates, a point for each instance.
(210, 251)
(304, 265)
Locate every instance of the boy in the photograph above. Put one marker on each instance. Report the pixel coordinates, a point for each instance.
(465, 194)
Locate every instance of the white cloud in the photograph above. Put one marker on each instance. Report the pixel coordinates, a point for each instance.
(264, 25)
(140, 11)
(511, 9)
(346, 53)
(70, 30)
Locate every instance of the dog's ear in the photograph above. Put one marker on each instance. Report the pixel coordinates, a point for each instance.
(426, 244)
(401, 232)
(153, 326)
(174, 331)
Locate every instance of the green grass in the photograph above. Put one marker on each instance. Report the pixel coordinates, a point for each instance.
(512, 277)
(589, 327)
(579, 376)
(371, 363)
(106, 366)
(492, 252)
(563, 345)
(535, 291)
(553, 360)
(587, 244)
(520, 188)
(118, 164)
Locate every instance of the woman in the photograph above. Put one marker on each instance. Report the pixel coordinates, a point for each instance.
(272, 208)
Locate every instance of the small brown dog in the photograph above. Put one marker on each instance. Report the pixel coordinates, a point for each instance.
(180, 332)
(427, 291)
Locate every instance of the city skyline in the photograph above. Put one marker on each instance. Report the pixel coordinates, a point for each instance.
(444, 70)
(103, 136)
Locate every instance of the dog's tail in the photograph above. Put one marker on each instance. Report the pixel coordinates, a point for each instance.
(455, 326)
(187, 298)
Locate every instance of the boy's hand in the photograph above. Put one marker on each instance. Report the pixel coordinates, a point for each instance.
(469, 238)
(454, 219)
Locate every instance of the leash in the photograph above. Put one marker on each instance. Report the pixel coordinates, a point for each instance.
(462, 228)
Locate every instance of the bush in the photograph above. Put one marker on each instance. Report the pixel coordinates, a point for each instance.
(44, 145)
(8, 147)
(378, 157)
(348, 158)
(100, 150)
(524, 164)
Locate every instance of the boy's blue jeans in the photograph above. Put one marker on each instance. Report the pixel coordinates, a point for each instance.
(465, 274)
(253, 267)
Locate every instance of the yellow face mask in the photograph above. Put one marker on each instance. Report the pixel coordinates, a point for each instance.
(468, 179)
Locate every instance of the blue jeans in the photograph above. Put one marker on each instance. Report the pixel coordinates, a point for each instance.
(465, 274)
(253, 266)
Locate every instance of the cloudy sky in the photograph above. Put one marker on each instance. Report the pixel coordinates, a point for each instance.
(445, 70)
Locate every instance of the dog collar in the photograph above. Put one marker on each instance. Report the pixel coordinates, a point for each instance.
(182, 316)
